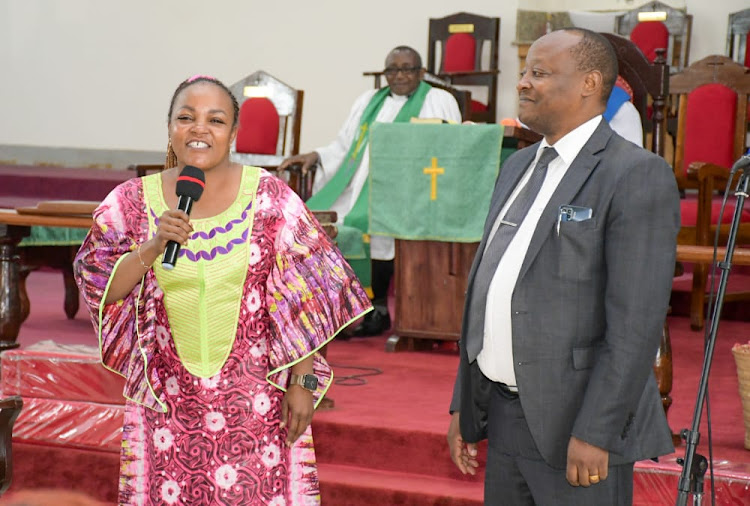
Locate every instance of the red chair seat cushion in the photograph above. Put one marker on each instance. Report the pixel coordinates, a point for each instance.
(459, 53)
(689, 211)
(709, 126)
(259, 127)
(650, 36)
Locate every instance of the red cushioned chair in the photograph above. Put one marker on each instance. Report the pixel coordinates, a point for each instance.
(259, 127)
(711, 131)
(737, 31)
(656, 25)
(270, 120)
(463, 50)
(650, 36)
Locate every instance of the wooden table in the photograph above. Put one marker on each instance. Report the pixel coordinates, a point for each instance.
(13, 228)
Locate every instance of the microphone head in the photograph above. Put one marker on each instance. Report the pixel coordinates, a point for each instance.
(191, 182)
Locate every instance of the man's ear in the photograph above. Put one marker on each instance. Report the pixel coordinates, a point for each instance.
(421, 73)
(592, 83)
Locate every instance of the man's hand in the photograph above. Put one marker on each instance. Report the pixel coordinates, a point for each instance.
(308, 160)
(296, 412)
(587, 464)
(464, 455)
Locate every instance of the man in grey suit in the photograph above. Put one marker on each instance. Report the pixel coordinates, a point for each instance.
(567, 297)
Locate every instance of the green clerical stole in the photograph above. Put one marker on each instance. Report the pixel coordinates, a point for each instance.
(358, 217)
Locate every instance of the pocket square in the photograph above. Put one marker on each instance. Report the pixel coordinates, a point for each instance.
(574, 213)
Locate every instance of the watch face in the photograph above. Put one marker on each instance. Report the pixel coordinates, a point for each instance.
(310, 382)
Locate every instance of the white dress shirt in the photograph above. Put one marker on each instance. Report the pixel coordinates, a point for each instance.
(496, 358)
(437, 104)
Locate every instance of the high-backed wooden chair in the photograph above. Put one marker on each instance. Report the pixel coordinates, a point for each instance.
(456, 53)
(711, 134)
(270, 120)
(649, 84)
(738, 29)
(656, 25)
(10, 408)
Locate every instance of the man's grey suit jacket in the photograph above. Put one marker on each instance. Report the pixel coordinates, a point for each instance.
(589, 306)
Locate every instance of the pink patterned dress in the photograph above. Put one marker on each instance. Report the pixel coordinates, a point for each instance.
(204, 393)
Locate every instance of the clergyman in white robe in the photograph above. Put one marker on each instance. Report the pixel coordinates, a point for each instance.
(437, 104)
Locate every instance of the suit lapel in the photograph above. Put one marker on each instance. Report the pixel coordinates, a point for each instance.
(506, 182)
(578, 173)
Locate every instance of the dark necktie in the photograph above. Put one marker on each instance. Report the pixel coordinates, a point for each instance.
(492, 254)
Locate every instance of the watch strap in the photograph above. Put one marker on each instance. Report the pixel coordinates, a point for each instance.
(299, 379)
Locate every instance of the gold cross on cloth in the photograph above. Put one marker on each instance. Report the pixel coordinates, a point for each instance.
(433, 171)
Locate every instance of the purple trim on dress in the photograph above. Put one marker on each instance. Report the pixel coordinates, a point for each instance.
(218, 250)
(215, 230)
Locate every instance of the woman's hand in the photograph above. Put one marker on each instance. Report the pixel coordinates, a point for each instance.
(174, 225)
(296, 412)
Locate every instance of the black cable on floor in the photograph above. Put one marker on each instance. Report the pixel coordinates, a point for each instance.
(354, 380)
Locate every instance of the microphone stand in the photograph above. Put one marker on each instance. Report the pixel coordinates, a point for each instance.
(694, 465)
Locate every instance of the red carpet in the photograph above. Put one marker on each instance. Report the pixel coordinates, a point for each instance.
(384, 442)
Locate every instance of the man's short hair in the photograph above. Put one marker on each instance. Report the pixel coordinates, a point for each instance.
(594, 52)
(411, 50)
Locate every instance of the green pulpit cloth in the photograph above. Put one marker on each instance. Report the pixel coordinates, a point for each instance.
(432, 182)
(55, 236)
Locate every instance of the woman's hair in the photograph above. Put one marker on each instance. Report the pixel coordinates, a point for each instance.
(171, 157)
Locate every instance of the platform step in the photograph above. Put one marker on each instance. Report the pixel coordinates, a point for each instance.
(343, 485)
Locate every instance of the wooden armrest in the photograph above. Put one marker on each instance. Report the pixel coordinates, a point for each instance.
(327, 220)
(325, 216)
(302, 184)
(373, 73)
(704, 254)
(705, 170)
(522, 134)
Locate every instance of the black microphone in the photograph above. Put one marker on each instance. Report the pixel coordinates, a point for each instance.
(742, 164)
(190, 185)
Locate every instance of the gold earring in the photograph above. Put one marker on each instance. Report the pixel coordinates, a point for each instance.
(171, 160)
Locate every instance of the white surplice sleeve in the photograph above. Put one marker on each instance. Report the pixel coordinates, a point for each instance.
(440, 104)
(333, 154)
(627, 123)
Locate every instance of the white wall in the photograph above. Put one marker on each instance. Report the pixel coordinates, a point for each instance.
(94, 74)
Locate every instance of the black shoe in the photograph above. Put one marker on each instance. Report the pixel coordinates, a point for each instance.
(374, 324)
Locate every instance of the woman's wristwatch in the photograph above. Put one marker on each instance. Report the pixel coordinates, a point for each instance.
(306, 381)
